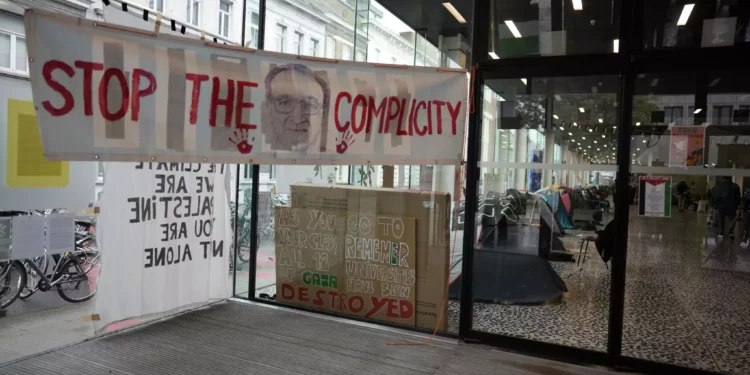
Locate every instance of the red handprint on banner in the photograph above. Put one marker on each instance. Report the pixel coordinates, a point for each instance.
(240, 140)
(346, 140)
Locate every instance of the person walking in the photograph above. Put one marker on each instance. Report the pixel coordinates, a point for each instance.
(727, 198)
(745, 218)
(683, 190)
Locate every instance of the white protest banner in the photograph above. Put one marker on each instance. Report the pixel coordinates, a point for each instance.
(122, 94)
(165, 237)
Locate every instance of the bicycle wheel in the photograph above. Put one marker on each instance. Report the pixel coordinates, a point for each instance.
(32, 279)
(12, 281)
(76, 286)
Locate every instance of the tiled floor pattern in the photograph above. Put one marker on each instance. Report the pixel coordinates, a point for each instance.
(687, 300)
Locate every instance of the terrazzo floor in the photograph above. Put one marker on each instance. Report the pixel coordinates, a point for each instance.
(687, 299)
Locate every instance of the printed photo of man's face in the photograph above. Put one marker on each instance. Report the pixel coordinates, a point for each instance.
(297, 106)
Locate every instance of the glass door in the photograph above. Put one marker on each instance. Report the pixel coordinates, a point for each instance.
(547, 166)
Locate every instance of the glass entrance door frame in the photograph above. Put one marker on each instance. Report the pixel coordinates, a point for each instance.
(631, 61)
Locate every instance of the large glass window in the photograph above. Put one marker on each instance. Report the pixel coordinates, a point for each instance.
(701, 23)
(547, 167)
(687, 286)
(546, 28)
(329, 28)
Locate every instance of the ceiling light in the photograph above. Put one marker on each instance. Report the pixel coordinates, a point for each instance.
(638, 123)
(616, 45)
(601, 121)
(584, 138)
(715, 82)
(589, 146)
(557, 97)
(598, 149)
(595, 142)
(494, 55)
(513, 29)
(633, 154)
(581, 109)
(562, 128)
(555, 116)
(655, 82)
(638, 149)
(644, 141)
(577, 4)
(454, 12)
(697, 111)
(591, 130)
(614, 127)
(569, 133)
(524, 81)
(686, 10)
(604, 136)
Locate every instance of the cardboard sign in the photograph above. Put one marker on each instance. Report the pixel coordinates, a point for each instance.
(363, 265)
(122, 94)
(430, 211)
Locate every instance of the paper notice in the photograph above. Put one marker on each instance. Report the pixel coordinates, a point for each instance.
(60, 233)
(27, 237)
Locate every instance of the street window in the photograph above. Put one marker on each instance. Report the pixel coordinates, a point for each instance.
(330, 48)
(194, 12)
(722, 115)
(13, 53)
(254, 28)
(346, 52)
(298, 37)
(280, 37)
(225, 9)
(314, 47)
(673, 115)
(360, 55)
(157, 5)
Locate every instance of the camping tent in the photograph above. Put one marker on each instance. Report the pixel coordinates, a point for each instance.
(560, 203)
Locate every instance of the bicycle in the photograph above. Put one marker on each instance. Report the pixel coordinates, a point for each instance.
(70, 275)
(12, 274)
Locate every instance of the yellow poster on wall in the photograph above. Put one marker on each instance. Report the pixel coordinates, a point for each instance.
(26, 166)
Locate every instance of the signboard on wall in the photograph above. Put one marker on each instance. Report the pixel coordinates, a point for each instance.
(655, 196)
(686, 146)
(124, 94)
(363, 265)
(165, 231)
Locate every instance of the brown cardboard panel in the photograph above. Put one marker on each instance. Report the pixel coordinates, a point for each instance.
(351, 263)
(431, 213)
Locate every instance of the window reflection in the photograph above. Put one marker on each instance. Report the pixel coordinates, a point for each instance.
(547, 169)
(695, 23)
(553, 27)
